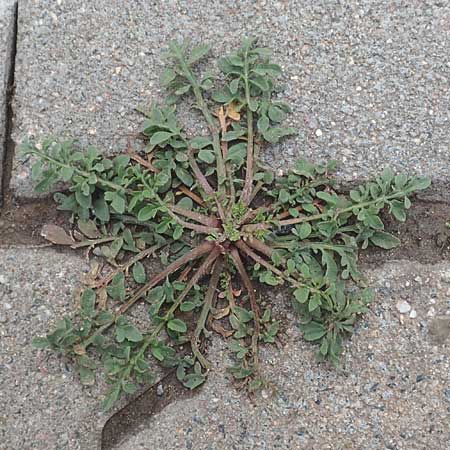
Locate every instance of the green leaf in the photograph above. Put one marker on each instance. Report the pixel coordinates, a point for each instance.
(101, 210)
(116, 290)
(418, 184)
(177, 325)
(276, 114)
(184, 176)
(132, 333)
(384, 240)
(198, 53)
(139, 273)
(40, 342)
(193, 380)
(263, 124)
(67, 173)
(304, 230)
(313, 331)
(87, 376)
(111, 397)
(314, 302)
(118, 203)
(160, 137)
(232, 135)
(374, 221)
(260, 82)
(147, 212)
(200, 142)
(206, 156)
(234, 85)
(223, 96)
(236, 153)
(301, 294)
(167, 77)
(183, 90)
(283, 196)
(88, 302)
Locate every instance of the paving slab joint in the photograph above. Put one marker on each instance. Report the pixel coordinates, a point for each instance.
(8, 150)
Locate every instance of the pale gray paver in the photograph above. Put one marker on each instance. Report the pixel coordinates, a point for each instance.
(43, 405)
(393, 392)
(368, 80)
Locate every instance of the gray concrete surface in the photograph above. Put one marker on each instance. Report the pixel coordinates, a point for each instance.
(368, 80)
(44, 407)
(7, 19)
(393, 393)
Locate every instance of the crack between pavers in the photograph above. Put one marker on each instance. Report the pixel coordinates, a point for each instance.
(8, 143)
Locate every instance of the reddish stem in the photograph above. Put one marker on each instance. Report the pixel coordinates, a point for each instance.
(253, 303)
(195, 253)
(198, 217)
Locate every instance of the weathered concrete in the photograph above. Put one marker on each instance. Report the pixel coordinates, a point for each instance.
(43, 404)
(368, 81)
(7, 23)
(393, 392)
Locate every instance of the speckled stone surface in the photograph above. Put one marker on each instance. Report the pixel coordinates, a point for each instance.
(368, 80)
(393, 392)
(7, 9)
(44, 407)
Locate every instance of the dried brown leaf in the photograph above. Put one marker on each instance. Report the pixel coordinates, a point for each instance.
(56, 235)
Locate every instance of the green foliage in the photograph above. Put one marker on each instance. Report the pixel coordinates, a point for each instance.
(212, 213)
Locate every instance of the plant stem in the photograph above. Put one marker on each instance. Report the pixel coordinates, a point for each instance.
(247, 190)
(209, 221)
(245, 249)
(253, 303)
(201, 271)
(206, 113)
(209, 298)
(141, 255)
(196, 253)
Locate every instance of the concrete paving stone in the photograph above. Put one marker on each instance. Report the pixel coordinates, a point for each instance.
(7, 19)
(368, 80)
(393, 391)
(44, 407)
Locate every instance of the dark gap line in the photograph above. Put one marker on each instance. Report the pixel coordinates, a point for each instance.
(8, 144)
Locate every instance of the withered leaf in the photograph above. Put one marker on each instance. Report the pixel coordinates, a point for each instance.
(56, 235)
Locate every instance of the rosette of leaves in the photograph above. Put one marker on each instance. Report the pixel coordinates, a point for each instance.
(220, 221)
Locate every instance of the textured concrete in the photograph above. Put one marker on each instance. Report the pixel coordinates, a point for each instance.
(368, 80)
(7, 19)
(393, 392)
(44, 407)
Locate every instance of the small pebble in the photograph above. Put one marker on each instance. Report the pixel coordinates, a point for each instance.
(3, 279)
(403, 307)
(413, 314)
(160, 390)
(319, 132)
(431, 312)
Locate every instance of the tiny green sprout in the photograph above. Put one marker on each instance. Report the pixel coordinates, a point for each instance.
(220, 221)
